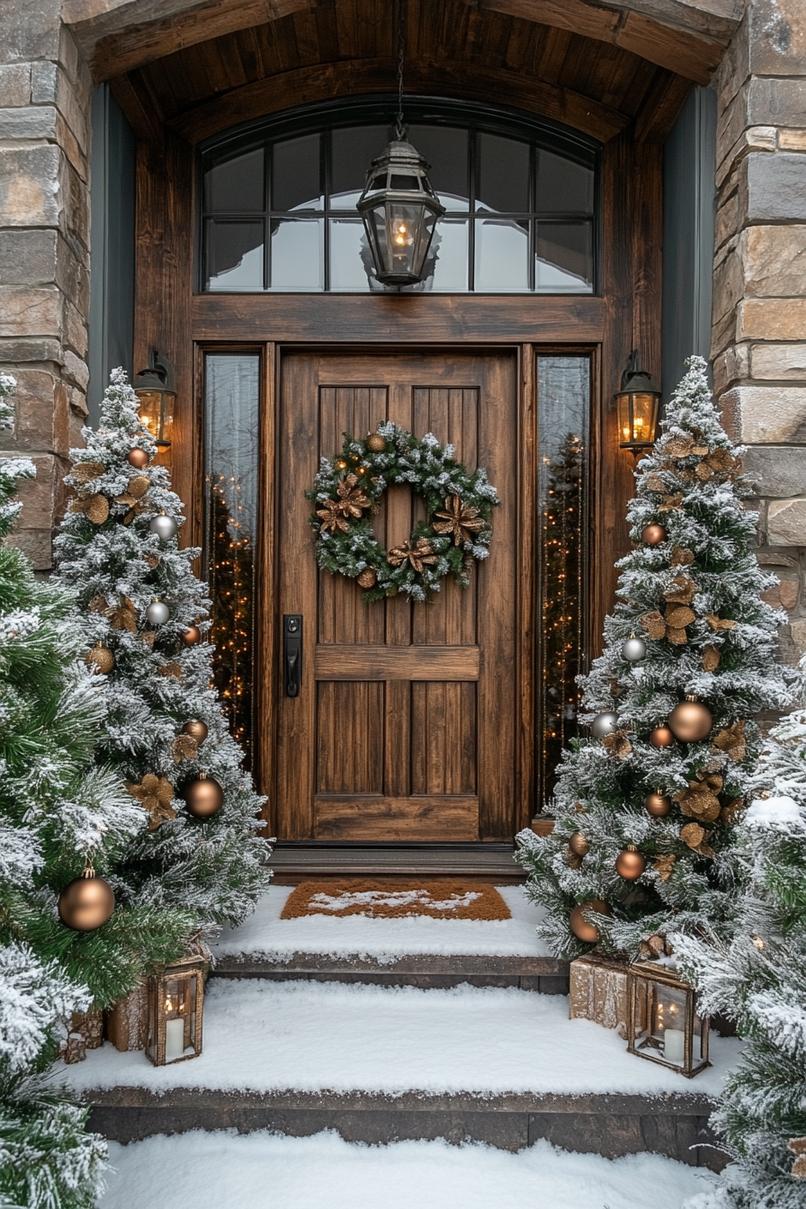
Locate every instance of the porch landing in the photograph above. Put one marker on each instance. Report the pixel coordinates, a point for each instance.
(483, 862)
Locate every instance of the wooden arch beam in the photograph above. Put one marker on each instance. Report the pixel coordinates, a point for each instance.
(684, 36)
(357, 77)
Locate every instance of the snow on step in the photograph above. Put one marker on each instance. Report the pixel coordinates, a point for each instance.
(270, 1036)
(259, 1169)
(267, 936)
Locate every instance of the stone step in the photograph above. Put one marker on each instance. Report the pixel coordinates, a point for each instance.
(293, 862)
(671, 1124)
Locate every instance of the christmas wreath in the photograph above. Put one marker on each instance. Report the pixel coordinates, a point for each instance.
(348, 489)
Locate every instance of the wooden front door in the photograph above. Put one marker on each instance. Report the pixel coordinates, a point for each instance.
(405, 726)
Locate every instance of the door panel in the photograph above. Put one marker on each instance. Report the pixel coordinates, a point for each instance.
(405, 724)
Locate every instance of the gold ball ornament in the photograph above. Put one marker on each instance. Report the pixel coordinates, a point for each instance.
(630, 864)
(86, 903)
(661, 736)
(578, 923)
(658, 805)
(653, 535)
(137, 458)
(191, 635)
(341, 464)
(366, 578)
(203, 797)
(196, 729)
(691, 721)
(101, 658)
(578, 844)
(376, 443)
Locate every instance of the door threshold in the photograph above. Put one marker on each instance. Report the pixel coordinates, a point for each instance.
(292, 862)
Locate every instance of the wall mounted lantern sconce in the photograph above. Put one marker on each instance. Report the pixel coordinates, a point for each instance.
(637, 404)
(154, 388)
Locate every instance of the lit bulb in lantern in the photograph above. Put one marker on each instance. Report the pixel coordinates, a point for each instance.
(401, 235)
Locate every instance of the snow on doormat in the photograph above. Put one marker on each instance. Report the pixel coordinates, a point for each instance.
(448, 899)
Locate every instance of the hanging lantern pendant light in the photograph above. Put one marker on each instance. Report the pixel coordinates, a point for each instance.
(398, 207)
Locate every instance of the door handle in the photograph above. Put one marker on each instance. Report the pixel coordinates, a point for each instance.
(292, 648)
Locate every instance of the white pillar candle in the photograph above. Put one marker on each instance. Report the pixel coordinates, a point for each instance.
(175, 1039)
(673, 1045)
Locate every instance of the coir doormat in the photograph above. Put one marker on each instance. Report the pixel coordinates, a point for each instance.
(448, 899)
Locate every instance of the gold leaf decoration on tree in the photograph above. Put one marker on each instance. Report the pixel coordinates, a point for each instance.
(692, 834)
(330, 515)
(710, 658)
(171, 668)
(133, 498)
(654, 482)
(732, 741)
(700, 800)
(418, 554)
(656, 626)
(155, 794)
(719, 623)
(719, 463)
(95, 507)
(664, 865)
(123, 616)
(798, 1148)
(670, 503)
(680, 617)
(678, 446)
(681, 590)
(618, 744)
(731, 811)
(352, 498)
(85, 472)
(184, 747)
(681, 556)
(460, 520)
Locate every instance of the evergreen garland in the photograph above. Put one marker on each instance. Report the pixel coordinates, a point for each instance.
(347, 491)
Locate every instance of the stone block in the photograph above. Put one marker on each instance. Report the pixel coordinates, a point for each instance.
(792, 140)
(728, 284)
(75, 368)
(731, 366)
(776, 101)
(797, 629)
(36, 545)
(29, 123)
(727, 218)
(75, 329)
(771, 319)
(15, 84)
(773, 260)
(754, 138)
(780, 470)
(786, 592)
(30, 192)
(777, 37)
(41, 412)
(22, 350)
(768, 414)
(34, 311)
(775, 186)
(37, 495)
(786, 522)
(778, 362)
(28, 257)
(30, 30)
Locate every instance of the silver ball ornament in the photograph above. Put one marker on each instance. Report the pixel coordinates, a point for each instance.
(157, 613)
(165, 527)
(634, 650)
(604, 724)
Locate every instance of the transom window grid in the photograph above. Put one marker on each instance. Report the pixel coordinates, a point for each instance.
(320, 264)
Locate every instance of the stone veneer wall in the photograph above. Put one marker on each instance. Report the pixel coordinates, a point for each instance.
(759, 314)
(44, 248)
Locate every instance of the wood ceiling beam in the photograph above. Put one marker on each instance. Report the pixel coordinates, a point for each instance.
(356, 77)
(684, 36)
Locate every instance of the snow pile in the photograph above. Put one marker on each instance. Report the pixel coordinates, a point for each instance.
(269, 1036)
(257, 1170)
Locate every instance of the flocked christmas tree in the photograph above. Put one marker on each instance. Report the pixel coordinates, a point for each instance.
(647, 806)
(759, 981)
(145, 615)
(60, 813)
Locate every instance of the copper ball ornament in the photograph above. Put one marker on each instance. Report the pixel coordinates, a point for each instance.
(165, 527)
(138, 458)
(191, 635)
(100, 658)
(604, 724)
(196, 729)
(634, 650)
(376, 443)
(578, 844)
(157, 613)
(657, 804)
(366, 578)
(661, 736)
(203, 797)
(630, 864)
(578, 923)
(691, 721)
(86, 903)
(654, 534)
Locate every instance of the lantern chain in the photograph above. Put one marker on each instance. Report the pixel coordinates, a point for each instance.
(400, 126)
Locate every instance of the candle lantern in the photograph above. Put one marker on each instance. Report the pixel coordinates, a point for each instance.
(175, 1011)
(157, 397)
(637, 408)
(663, 1023)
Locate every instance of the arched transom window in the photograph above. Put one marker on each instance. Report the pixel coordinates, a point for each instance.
(278, 206)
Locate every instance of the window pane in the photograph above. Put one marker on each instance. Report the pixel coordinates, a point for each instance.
(231, 418)
(563, 187)
(446, 151)
(350, 259)
(295, 174)
(503, 174)
(446, 266)
(565, 257)
(297, 254)
(502, 254)
(563, 398)
(234, 255)
(235, 184)
(352, 152)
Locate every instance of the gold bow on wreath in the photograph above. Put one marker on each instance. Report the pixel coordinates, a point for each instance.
(155, 795)
(352, 501)
(459, 520)
(418, 554)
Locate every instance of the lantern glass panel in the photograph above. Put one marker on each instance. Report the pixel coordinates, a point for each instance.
(157, 413)
(637, 418)
(175, 1013)
(664, 1025)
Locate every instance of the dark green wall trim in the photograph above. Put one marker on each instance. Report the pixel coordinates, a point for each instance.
(689, 198)
(112, 238)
